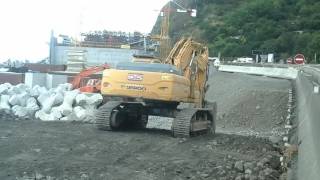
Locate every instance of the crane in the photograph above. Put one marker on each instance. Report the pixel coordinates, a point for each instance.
(164, 37)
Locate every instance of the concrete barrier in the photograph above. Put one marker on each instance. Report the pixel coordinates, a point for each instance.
(313, 71)
(286, 73)
(53, 80)
(31, 79)
(309, 123)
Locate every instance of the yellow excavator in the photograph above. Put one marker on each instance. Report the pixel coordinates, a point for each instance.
(175, 88)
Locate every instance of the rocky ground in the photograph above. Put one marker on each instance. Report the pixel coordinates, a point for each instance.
(249, 105)
(62, 150)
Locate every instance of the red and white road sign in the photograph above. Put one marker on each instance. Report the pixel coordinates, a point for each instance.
(299, 59)
(289, 60)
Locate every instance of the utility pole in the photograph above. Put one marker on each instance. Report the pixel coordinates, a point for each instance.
(52, 48)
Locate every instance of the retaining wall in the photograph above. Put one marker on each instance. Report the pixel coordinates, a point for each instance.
(44, 68)
(286, 73)
(13, 78)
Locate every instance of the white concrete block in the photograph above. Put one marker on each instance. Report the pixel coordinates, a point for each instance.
(20, 111)
(4, 102)
(4, 88)
(53, 80)
(53, 99)
(32, 79)
(89, 99)
(15, 90)
(52, 116)
(19, 99)
(80, 113)
(36, 91)
(66, 107)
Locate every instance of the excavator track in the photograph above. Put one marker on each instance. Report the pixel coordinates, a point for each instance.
(182, 122)
(194, 121)
(104, 114)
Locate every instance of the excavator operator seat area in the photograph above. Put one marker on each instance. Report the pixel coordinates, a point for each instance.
(147, 81)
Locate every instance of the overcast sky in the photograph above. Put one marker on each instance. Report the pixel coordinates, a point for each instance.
(26, 24)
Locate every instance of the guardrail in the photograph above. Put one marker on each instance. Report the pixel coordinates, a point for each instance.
(312, 71)
(307, 85)
(261, 64)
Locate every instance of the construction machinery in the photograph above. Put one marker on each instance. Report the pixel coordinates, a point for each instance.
(92, 85)
(163, 38)
(175, 88)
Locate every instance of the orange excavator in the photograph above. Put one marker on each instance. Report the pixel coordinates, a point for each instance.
(93, 85)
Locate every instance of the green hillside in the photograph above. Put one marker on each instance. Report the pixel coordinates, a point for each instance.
(236, 27)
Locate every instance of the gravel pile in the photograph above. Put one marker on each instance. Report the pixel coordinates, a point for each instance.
(249, 105)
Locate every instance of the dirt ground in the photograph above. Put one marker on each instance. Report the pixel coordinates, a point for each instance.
(249, 105)
(30, 149)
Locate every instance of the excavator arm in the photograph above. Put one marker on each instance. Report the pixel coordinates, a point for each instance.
(192, 58)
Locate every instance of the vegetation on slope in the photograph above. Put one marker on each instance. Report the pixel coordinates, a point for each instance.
(236, 27)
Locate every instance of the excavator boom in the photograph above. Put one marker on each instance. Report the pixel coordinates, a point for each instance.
(192, 58)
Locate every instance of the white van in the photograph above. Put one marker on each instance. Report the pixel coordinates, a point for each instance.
(215, 60)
